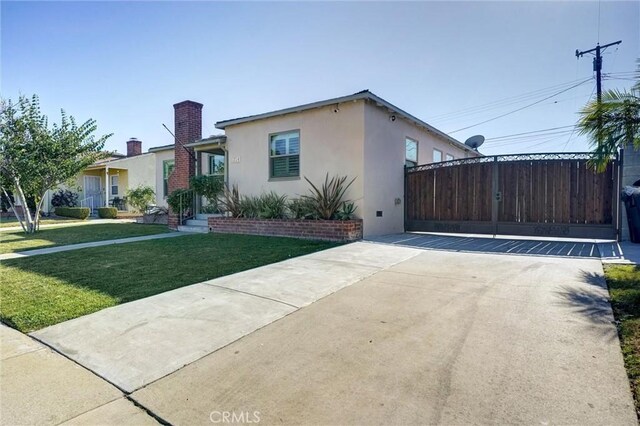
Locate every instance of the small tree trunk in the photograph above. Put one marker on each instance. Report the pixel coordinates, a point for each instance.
(27, 214)
(37, 215)
(24, 228)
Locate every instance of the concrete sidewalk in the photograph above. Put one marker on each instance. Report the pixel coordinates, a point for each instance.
(69, 247)
(40, 386)
(441, 338)
(136, 343)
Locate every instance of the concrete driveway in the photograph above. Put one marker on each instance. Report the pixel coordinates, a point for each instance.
(441, 338)
(411, 336)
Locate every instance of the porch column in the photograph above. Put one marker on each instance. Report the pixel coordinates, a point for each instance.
(198, 204)
(106, 186)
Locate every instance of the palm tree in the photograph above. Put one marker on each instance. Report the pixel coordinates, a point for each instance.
(612, 123)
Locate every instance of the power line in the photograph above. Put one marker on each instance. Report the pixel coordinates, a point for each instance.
(441, 123)
(574, 129)
(528, 133)
(505, 101)
(529, 140)
(520, 109)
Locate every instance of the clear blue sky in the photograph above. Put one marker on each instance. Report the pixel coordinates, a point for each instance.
(126, 63)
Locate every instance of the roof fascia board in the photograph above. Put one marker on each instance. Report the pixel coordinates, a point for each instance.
(357, 96)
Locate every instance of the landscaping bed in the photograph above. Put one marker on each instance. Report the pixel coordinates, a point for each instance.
(44, 290)
(15, 241)
(624, 288)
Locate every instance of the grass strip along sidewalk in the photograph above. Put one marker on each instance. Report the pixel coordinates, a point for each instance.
(12, 222)
(44, 290)
(16, 241)
(624, 288)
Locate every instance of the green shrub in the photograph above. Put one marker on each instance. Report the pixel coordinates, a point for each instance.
(180, 200)
(272, 206)
(208, 186)
(230, 201)
(300, 208)
(347, 211)
(64, 198)
(327, 200)
(250, 207)
(141, 197)
(107, 212)
(74, 212)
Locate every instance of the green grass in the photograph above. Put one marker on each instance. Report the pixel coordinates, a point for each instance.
(43, 290)
(14, 241)
(10, 222)
(624, 287)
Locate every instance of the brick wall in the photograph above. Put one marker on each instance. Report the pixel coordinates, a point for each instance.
(172, 221)
(330, 230)
(187, 129)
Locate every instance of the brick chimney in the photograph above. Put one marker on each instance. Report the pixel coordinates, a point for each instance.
(134, 147)
(188, 128)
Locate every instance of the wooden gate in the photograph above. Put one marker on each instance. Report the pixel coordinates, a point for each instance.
(525, 194)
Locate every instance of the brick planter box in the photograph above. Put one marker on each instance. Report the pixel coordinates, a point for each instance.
(173, 221)
(330, 230)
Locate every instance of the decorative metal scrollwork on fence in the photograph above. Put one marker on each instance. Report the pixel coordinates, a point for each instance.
(504, 158)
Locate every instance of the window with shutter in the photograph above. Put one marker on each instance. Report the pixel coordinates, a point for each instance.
(284, 153)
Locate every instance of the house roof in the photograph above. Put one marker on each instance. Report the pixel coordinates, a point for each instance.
(362, 95)
(219, 139)
(161, 148)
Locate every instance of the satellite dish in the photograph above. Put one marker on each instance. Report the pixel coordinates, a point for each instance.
(474, 142)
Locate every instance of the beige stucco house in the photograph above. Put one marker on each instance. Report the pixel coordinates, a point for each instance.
(361, 136)
(106, 181)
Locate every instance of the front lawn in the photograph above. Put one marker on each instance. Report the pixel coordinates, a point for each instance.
(43, 290)
(12, 222)
(14, 241)
(624, 288)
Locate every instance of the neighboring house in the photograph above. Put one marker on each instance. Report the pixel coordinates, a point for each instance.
(361, 136)
(107, 181)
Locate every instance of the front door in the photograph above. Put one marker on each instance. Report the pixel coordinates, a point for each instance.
(92, 192)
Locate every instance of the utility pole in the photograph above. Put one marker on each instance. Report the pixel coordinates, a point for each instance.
(597, 64)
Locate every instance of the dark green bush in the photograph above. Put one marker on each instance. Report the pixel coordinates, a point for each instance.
(180, 198)
(208, 186)
(272, 206)
(300, 208)
(74, 212)
(108, 212)
(64, 198)
(250, 206)
(140, 198)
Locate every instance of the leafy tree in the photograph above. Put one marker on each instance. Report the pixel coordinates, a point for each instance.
(141, 198)
(612, 123)
(35, 158)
